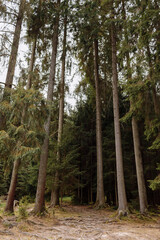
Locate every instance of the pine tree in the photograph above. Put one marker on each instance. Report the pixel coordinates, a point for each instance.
(56, 186)
(23, 139)
(40, 203)
(100, 188)
(87, 38)
(135, 131)
(17, 162)
(122, 201)
(13, 58)
(15, 45)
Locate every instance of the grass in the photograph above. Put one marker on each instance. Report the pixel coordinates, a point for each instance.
(134, 216)
(66, 199)
(2, 205)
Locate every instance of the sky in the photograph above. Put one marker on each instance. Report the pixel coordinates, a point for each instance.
(72, 79)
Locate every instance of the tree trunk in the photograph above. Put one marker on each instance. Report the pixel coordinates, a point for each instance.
(17, 163)
(136, 140)
(139, 168)
(15, 45)
(122, 201)
(31, 65)
(32, 61)
(29, 80)
(55, 191)
(39, 202)
(56, 185)
(91, 183)
(100, 188)
(12, 188)
(12, 60)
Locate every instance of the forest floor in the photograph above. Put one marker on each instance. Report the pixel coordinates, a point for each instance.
(80, 222)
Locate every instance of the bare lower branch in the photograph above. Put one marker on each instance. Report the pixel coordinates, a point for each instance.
(4, 55)
(8, 23)
(5, 84)
(7, 31)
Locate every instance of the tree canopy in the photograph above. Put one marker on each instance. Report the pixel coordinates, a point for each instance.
(105, 148)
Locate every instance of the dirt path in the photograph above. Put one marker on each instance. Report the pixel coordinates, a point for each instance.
(76, 223)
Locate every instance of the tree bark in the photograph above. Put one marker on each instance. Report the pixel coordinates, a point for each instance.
(122, 200)
(139, 168)
(31, 65)
(56, 185)
(12, 189)
(17, 163)
(13, 59)
(100, 188)
(136, 140)
(32, 61)
(15, 45)
(55, 190)
(29, 80)
(39, 202)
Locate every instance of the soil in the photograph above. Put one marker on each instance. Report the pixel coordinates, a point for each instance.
(80, 222)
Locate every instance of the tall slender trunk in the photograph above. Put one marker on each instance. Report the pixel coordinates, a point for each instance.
(12, 188)
(34, 45)
(136, 139)
(55, 190)
(31, 65)
(91, 181)
(32, 61)
(56, 185)
(12, 60)
(139, 168)
(115, 190)
(39, 202)
(17, 163)
(100, 188)
(122, 201)
(29, 79)
(15, 45)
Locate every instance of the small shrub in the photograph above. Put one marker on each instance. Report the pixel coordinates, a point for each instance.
(23, 207)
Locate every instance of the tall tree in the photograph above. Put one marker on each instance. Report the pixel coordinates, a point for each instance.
(100, 188)
(122, 200)
(12, 189)
(13, 57)
(17, 162)
(56, 185)
(88, 36)
(40, 203)
(35, 23)
(139, 167)
(22, 137)
(15, 45)
(135, 131)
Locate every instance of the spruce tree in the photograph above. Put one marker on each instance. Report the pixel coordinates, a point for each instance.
(40, 201)
(56, 185)
(87, 38)
(15, 45)
(122, 200)
(135, 131)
